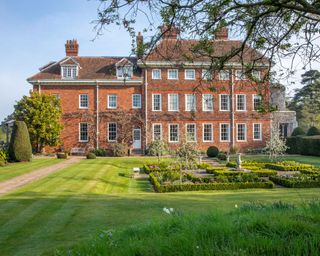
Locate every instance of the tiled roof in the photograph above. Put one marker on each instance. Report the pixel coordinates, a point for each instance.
(89, 68)
(182, 50)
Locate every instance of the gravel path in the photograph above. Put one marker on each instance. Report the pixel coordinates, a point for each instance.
(14, 183)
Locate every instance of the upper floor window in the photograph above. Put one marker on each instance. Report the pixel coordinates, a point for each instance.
(224, 102)
(191, 133)
(256, 74)
(207, 102)
(241, 132)
(224, 75)
(173, 133)
(112, 101)
(157, 132)
(241, 102)
(83, 101)
(156, 73)
(136, 101)
(206, 74)
(240, 75)
(124, 72)
(190, 74)
(257, 100)
(69, 71)
(190, 102)
(257, 134)
(224, 132)
(207, 132)
(156, 102)
(173, 102)
(173, 74)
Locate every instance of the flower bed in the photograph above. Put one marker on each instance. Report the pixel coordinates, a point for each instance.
(297, 181)
(192, 183)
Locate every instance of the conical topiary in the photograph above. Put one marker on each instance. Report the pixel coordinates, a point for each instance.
(20, 147)
(298, 131)
(313, 131)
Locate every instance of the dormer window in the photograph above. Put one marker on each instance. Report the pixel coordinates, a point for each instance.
(69, 71)
(124, 72)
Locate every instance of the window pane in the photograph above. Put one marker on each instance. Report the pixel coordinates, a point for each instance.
(156, 74)
(206, 74)
(136, 101)
(207, 102)
(83, 133)
(112, 101)
(241, 132)
(112, 130)
(157, 132)
(257, 131)
(191, 132)
(172, 74)
(240, 75)
(257, 99)
(224, 75)
(224, 102)
(190, 102)
(224, 132)
(156, 102)
(207, 132)
(241, 102)
(173, 133)
(190, 74)
(83, 100)
(173, 102)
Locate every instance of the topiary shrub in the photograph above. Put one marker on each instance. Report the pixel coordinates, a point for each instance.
(313, 131)
(120, 149)
(294, 144)
(100, 152)
(91, 156)
(20, 147)
(298, 131)
(4, 156)
(212, 151)
(222, 156)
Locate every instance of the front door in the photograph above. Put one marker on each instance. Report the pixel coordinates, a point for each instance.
(136, 138)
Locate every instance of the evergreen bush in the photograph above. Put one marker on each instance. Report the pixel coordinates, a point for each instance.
(212, 151)
(91, 156)
(120, 149)
(20, 149)
(298, 131)
(313, 131)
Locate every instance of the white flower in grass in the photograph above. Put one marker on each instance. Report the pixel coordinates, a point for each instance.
(236, 206)
(171, 210)
(166, 210)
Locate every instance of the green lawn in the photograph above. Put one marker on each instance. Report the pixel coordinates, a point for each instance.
(73, 204)
(15, 169)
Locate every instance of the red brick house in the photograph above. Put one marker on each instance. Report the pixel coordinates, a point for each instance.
(165, 95)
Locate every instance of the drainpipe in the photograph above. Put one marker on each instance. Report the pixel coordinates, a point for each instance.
(232, 108)
(146, 107)
(39, 87)
(97, 111)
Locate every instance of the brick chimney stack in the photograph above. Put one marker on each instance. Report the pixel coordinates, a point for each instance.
(72, 47)
(170, 32)
(139, 42)
(222, 34)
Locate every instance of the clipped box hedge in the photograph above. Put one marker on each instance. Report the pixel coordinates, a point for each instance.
(206, 186)
(304, 145)
(294, 183)
(288, 168)
(259, 172)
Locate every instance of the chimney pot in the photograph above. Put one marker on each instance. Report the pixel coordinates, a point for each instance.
(170, 32)
(72, 47)
(222, 33)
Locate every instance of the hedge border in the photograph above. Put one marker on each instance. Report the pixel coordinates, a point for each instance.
(294, 184)
(280, 167)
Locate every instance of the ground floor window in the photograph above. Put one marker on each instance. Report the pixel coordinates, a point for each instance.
(241, 132)
(173, 133)
(207, 132)
(112, 131)
(83, 132)
(257, 132)
(191, 132)
(157, 132)
(224, 132)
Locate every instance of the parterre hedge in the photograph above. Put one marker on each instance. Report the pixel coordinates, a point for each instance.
(296, 182)
(287, 168)
(260, 172)
(206, 186)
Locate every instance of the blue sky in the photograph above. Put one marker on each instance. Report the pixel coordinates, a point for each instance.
(33, 32)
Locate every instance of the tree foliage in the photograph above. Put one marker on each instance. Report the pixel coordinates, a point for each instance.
(276, 145)
(306, 101)
(276, 28)
(157, 148)
(20, 148)
(41, 113)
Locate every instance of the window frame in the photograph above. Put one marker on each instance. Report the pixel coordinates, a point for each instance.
(161, 134)
(253, 98)
(168, 74)
(229, 131)
(224, 71)
(206, 74)
(160, 101)
(140, 101)
(178, 107)
(245, 103)
(80, 101)
(80, 140)
(242, 77)
(116, 101)
(123, 67)
(152, 74)
(195, 132)
(204, 101)
(253, 132)
(245, 132)
(203, 133)
(169, 133)
(74, 72)
(188, 70)
(116, 131)
(258, 78)
(220, 97)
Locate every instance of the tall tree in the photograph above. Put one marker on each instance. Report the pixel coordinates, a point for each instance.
(277, 29)
(306, 101)
(42, 114)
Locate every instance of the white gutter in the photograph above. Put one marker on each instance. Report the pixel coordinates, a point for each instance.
(87, 82)
(97, 119)
(232, 107)
(146, 107)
